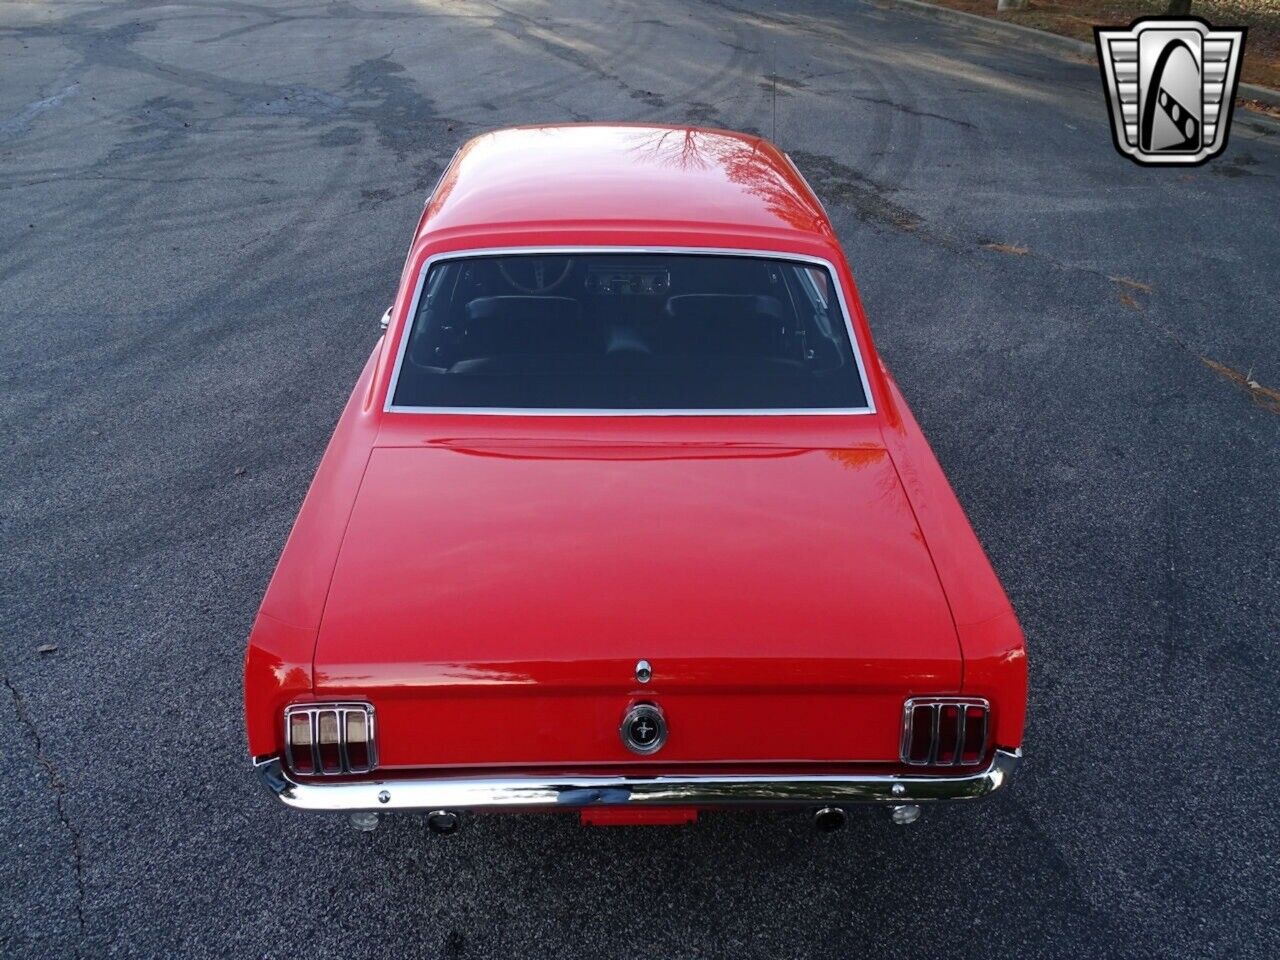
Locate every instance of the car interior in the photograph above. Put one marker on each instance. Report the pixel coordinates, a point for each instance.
(649, 331)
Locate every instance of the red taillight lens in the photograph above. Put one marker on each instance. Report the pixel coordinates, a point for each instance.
(948, 728)
(920, 735)
(944, 731)
(975, 734)
(300, 740)
(330, 738)
(330, 754)
(358, 740)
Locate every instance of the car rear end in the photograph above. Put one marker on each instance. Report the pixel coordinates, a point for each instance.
(626, 519)
(503, 610)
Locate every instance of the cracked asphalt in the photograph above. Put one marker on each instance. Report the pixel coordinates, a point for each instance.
(205, 210)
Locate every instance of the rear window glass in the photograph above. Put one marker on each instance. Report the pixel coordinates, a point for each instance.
(619, 331)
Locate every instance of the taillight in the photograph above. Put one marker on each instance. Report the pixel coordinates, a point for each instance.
(358, 739)
(944, 731)
(328, 739)
(299, 742)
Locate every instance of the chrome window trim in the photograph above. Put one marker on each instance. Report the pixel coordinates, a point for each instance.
(574, 792)
(815, 295)
(390, 407)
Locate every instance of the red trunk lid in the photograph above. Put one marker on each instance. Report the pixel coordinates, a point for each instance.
(492, 602)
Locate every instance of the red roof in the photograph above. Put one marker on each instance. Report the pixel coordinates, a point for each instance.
(622, 175)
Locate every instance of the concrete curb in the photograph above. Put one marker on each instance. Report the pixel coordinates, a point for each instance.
(1251, 91)
(1043, 40)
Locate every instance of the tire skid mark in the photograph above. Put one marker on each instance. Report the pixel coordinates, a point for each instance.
(867, 199)
(529, 31)
(20, 122)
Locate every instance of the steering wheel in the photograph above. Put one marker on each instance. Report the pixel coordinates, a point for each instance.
(538, 269)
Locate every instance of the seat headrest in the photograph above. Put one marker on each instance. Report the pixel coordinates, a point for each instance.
(528, 325)
(730, 324)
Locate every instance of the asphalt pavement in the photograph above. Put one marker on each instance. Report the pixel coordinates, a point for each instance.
(204, 208)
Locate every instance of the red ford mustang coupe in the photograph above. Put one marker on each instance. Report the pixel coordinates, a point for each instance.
(626, 518)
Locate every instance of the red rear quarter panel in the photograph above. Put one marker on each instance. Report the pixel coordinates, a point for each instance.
(278, 662)
(995, 662)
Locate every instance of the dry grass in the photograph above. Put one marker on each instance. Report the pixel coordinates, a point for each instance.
(1006, 248)
(1077, 18)
(1130, 282)
(1271, 110)
(1266, 397)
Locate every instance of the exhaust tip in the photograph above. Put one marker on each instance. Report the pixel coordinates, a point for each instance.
(365, 821)
(904, 813)
(829, 819)
(443, 822)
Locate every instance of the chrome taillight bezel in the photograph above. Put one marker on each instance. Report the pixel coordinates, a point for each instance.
(315, 713)
(961, 746)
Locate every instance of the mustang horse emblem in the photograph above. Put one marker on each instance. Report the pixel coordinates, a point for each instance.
(644, 729)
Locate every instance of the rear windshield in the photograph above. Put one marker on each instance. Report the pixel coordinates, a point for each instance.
(620, 331)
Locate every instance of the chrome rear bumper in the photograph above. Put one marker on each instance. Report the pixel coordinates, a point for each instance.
(532, 793)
